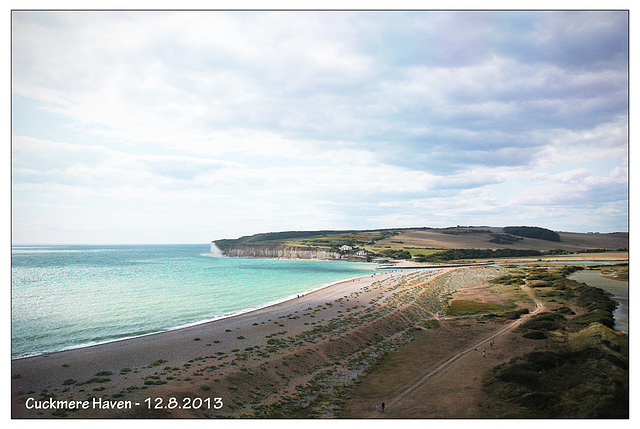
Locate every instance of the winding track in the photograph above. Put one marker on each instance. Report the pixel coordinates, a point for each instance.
(426, 377)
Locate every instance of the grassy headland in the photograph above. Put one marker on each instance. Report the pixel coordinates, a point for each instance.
(460, 243)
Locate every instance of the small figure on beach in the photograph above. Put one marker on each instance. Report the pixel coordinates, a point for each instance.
(484, 351)
(382, 407)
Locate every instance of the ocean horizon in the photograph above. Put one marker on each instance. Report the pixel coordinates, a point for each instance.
(71, 296)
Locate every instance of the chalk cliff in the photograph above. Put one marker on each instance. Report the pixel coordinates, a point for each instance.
(278, 251)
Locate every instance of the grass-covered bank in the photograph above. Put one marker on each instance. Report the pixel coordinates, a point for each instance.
(586, 376)
(583, 369)
(562, 361)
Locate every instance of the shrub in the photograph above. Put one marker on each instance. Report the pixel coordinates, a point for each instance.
(535, 335)
(597, 316)
(504, 239)
(539, 400)
(544, 360)
(509, 280)
(564, 310)
(544, 322)
(515, 314)
(532, 232)
(518, 374)
(540, 325)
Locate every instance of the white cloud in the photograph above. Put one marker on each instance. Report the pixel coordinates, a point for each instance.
(607, 141)
(99, 170)
(580, 188)
(333, 117)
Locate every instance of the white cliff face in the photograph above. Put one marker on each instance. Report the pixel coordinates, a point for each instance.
(215, 250)
(284, 252)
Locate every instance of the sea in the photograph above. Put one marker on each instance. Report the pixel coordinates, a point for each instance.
(65, 297)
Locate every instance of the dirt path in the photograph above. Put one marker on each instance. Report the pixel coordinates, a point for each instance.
(424, 379)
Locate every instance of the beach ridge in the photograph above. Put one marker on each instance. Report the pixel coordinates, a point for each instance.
(272, 332)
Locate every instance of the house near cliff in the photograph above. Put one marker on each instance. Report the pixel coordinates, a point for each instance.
(361, 253)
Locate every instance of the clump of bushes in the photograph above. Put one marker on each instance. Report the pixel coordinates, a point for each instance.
(396, 254)
(584, 377)
(156, 363)
(515, 314)
(553, 384)
(510, 279)
(535, 335)
(504, 239)
(545, 322)
(532, 232)
(564, 310)
(597, 316)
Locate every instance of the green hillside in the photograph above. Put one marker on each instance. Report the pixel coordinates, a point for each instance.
(443, 244)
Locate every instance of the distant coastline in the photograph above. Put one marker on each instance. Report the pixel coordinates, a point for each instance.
(439, 245)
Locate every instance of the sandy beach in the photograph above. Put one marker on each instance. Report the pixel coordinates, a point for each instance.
(281, 346)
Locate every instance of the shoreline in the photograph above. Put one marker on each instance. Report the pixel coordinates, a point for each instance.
(396, 266)
(190, 325)
(177, 346)
(253, 361)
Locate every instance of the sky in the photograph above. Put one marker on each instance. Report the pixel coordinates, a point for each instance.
(191, 126)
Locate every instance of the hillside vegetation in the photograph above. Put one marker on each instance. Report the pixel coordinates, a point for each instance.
(326, 239)
(561, 358)
(583, 369)
(533, 232)
(443, 244)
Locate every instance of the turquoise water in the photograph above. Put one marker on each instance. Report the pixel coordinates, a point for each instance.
(72, 296)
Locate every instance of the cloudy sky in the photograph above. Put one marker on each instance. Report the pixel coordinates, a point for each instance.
(184, 127)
